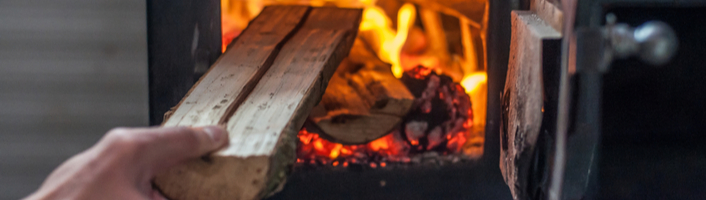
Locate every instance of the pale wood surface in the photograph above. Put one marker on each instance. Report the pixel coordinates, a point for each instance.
(549, 12)
(263, 129)
(283, 94)
(69, 71)
(522, 98)
(235, 74)
(362, 106)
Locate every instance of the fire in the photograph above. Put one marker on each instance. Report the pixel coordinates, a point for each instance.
(335, 151)
(474, 81)
(387, 41)
(377, 30)
(235, 16)
(324, 149)
(374, 19)
(389, 148)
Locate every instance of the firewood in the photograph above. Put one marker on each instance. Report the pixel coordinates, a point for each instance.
(237, 71)
(522, 99)
(263, 122)
(362, 54)
(362, 106)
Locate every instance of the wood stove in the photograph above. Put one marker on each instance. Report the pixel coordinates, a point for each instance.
(187, 37)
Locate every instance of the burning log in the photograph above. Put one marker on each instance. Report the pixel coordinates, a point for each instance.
(442, 112)
(262, 97)
(363, 105)
(363, 101)
(438, 123)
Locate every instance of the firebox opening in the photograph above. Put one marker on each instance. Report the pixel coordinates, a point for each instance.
(416, 74)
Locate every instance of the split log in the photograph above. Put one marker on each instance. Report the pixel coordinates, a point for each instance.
(263, 98)
(363, 100)
(237, 71)
(362, 106)
(522, 100)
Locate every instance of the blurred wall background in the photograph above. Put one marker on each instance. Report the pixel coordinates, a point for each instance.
(69, 71)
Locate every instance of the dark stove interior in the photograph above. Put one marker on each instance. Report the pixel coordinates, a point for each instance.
(654, 118)
(456, 181)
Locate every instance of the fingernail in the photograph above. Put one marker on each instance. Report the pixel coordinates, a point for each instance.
(216, 133)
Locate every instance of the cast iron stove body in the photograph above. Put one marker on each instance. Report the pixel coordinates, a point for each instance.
(633, 131)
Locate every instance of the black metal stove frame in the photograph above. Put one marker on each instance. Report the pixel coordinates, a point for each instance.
(174, 56)
(640, 160)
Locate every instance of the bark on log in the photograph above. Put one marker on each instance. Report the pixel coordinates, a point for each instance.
(263, 98)
(362, 106)
(522, 99)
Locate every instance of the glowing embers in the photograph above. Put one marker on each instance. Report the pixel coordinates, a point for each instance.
(316, 150)
(440, 125)
(443, 124)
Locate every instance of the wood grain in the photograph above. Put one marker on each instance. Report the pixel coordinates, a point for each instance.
(237, 72)
(263, 129)
(362, 106)
(549, 12)
(522, 100)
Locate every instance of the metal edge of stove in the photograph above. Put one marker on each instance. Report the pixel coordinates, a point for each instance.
(183, 41)
(479, 179)
(183, 36)
(584, 134)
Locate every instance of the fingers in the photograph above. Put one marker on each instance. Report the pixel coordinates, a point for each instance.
(122, 164)
(161, 148)
(156, 195)
(186, 142)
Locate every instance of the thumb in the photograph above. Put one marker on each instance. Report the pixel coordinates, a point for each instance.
(178, 144)
(163, 147)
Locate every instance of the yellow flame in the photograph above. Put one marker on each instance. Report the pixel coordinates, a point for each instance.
(335, 151)
(380, 143)
(474, 81)
(236, 15)
(405, 18)
(374, 19)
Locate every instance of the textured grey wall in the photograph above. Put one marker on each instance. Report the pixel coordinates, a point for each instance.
(69, 71)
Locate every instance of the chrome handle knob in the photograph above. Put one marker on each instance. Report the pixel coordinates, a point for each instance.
(654, 42)
(658, 42)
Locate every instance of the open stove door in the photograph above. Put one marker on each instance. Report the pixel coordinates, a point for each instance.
(550, 117)
(530, 99)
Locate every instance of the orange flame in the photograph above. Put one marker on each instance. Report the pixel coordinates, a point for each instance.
(473, 81)
(387, 42)
(235, 16)
(374, 19)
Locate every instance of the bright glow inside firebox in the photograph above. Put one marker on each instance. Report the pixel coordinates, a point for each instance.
(409, 43)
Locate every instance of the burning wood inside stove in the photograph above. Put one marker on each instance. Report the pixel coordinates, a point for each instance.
(398, 96)
(439, 123)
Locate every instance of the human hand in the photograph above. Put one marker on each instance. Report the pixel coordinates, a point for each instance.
(124, 162)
